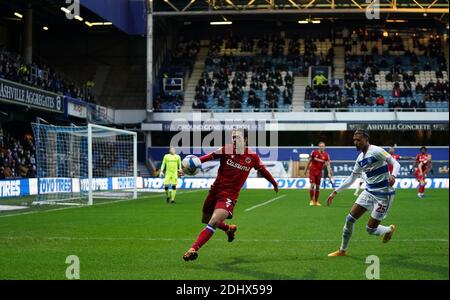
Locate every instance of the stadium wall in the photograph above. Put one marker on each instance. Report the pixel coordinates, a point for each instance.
(33, 186)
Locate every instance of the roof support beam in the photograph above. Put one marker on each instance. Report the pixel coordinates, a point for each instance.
(305, 11)
(309, 4)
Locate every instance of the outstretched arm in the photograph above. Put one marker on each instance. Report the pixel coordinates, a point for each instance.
(213, 155)
(347, 182)
(345, 185)
(266, 174)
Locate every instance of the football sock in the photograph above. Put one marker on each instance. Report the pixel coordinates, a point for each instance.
(174, 192)
(223, 226)
(204, 236)
(317, 195)
(166, 188)
(380, 230)
(311, 194)
(347, 231)
(421, 188)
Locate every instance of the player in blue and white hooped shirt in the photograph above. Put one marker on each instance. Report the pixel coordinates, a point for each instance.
(376, 198)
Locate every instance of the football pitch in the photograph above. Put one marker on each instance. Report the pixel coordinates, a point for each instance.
(284, 238)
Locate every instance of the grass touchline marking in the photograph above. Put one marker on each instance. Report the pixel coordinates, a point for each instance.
(69, 238)
(265, 203)
(81, 206)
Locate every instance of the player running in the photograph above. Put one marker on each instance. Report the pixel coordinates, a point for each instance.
(317, 159)
(377, 197)
(172, 165)
(423, 163)
(236, 162)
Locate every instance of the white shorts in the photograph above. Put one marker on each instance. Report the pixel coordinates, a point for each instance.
(378, 206)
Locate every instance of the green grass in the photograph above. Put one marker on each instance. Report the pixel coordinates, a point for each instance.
(285, 239)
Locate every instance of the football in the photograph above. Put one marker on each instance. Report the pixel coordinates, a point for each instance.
(191, 165)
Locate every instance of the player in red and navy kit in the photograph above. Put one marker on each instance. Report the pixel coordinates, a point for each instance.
(423, 163)
(236, 162)
(317, 160)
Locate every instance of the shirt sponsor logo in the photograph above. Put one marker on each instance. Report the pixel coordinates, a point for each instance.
(237, 166)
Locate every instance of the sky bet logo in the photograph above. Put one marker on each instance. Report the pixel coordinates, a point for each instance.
(73, 9)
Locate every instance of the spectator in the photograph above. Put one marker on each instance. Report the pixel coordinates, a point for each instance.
(396, 92)
(419, 88)
(421, 105)
(380, 101)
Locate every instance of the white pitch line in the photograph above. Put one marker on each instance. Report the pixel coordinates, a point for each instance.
(81, 206)
(265, 203)
(68, 238)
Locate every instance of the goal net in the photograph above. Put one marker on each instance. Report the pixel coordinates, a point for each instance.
(76, 165)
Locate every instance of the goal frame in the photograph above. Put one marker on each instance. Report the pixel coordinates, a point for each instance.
(90, 127)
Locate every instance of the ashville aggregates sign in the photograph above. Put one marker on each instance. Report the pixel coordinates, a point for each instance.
(20, 94)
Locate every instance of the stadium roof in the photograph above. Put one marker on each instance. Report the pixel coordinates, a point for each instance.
(211, 7)
(48, 13)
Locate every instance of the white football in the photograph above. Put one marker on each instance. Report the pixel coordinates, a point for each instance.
(191, 165)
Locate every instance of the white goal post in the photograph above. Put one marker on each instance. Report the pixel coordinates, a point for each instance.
(77, 164)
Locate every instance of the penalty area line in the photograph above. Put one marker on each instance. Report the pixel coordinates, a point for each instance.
(265, 203)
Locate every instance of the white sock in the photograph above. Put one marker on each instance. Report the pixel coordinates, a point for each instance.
(347, 231)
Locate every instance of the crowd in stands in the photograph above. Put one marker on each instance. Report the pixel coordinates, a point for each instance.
(168, 100)
(285, 53)
(399, 67)
(258, 75)
(179, 64)
(40, 76)
(220, 87)
(185, 54)
(17, 156)
(261, 77)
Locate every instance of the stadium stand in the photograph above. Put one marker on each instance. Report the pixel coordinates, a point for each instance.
(247, 74)
(17, 156)
(179, 63)
(402, 72)
(41, 76)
